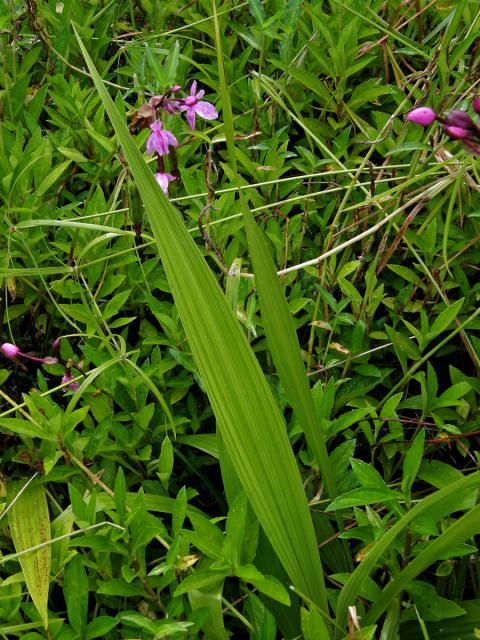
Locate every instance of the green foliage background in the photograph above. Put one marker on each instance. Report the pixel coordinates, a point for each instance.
(169, 494)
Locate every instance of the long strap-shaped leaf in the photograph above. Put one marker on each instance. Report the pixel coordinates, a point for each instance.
(30, 527)
(247, 415)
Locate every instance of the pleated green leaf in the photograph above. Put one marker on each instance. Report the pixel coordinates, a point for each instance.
(29, 524)
(248, 418)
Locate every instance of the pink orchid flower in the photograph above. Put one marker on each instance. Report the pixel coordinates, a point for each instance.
(192, 105)
(67, 377)
(163, 180)
(160, 139)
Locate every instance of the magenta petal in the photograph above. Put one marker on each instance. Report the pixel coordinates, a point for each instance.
(193, 88)
(150, 145)
(457, 133)
(206, 110)
(163, 179)
(191, 117)
(170, 138)
(422, 115)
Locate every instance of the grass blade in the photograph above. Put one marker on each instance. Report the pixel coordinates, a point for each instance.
(350, 591)
(465, 527)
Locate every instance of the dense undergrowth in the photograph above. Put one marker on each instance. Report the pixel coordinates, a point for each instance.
(144, 456)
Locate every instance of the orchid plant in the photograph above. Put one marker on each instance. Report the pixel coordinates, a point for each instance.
(161, 140)
(457, 124)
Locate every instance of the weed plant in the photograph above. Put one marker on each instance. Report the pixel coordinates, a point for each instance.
(240, 320)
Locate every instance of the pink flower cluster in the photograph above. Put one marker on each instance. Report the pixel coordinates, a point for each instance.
(457, 124)
(160, 140)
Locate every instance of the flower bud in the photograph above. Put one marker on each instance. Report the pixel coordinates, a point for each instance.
(422, 115)
(457, 133)
(9, 350)
(458, 118)
(56, 344)
(476, 104)
(49, 360)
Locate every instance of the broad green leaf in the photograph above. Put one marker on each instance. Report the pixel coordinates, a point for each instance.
(51, 179)
(362, 497)
(279, 327)
(445, 319)
(99, 627)
(283, 343)
(239, 394)
(313, 625)
(206, 442)
(265, 584)
(200, 579)
(367, 475)
(210, 597)
(165, 462)
(241, 533)
(29, 523)
(412, 462)
(75, 589)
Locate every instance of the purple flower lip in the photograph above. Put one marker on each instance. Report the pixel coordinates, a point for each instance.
(422, 116)
(163, 179)
(160, 139)
(457, 133)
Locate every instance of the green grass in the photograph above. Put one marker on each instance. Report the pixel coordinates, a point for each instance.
(274, 430)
